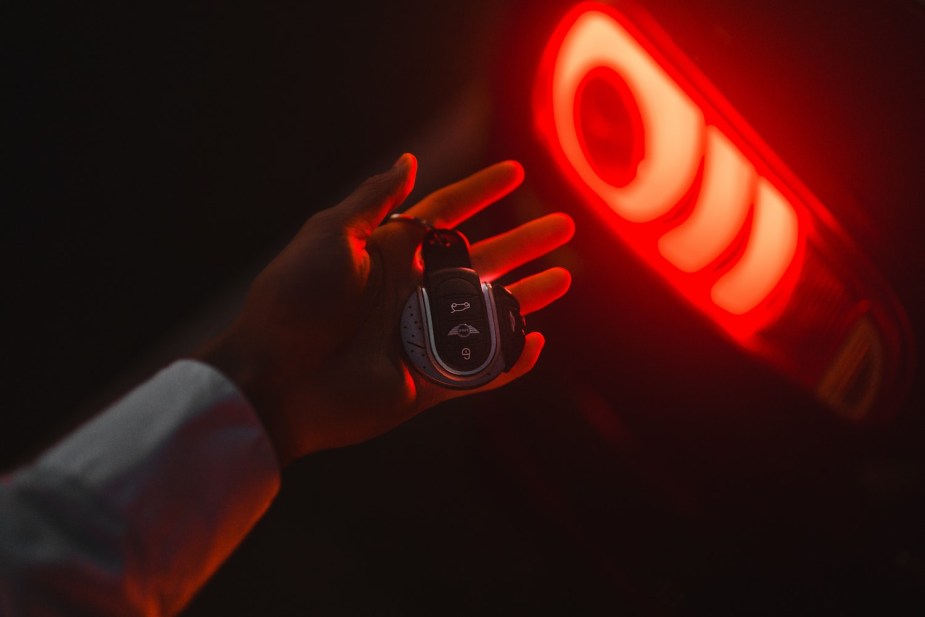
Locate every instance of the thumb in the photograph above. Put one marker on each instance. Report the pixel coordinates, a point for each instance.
(365, 208)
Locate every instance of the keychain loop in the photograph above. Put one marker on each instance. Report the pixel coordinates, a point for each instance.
(401, 217)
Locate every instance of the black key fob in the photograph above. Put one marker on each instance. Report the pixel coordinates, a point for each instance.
(456, 330)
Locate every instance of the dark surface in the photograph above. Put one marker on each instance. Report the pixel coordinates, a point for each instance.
(646, 466)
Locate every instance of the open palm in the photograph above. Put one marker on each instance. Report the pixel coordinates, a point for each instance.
(317, 348)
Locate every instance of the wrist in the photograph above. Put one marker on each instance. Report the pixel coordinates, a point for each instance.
(228, 356)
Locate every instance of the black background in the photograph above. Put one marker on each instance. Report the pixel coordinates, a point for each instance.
(157, 156)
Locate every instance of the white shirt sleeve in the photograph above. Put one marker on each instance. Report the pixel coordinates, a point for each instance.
(133, 512)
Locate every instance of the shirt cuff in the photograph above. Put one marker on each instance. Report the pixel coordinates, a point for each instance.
(185, 463)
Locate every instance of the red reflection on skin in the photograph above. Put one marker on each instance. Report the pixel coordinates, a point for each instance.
(675, 182)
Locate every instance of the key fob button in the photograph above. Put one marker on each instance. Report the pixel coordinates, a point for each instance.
(458, 308)
(465, 355)
(456, 286)
(474, 330)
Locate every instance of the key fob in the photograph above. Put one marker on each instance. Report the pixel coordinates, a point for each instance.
(456, 330)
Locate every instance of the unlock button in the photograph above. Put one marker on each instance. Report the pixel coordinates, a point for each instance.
(465, 355)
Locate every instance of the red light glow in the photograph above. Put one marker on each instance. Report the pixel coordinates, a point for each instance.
(649, 154)
(670, 168)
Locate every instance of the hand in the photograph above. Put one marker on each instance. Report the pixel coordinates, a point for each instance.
(316, 348)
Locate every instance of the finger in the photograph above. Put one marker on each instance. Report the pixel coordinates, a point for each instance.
(500, 254)
(539, 290)
(453, 204)
(365, 208)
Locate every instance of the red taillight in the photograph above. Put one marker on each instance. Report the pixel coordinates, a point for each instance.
(677, 175)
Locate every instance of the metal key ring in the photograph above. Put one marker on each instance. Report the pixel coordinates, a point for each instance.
(408, 218)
